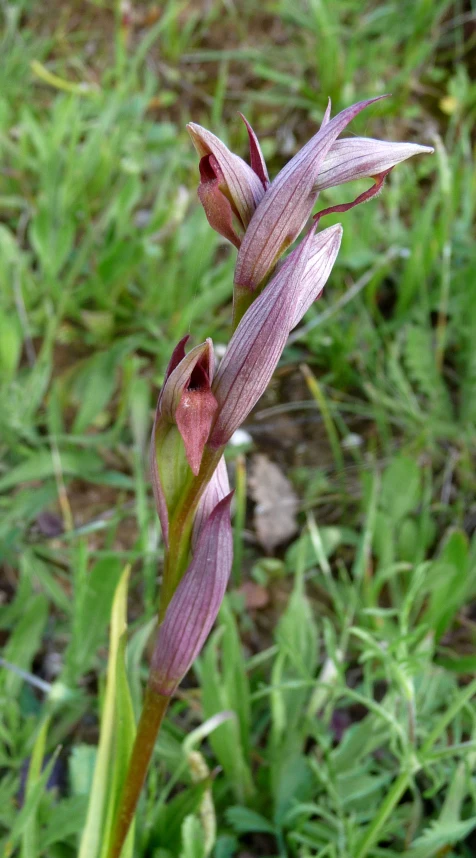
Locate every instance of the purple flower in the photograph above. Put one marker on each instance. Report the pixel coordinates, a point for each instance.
(183, 419)
(273, 215)
(229, 189)
(288, 203)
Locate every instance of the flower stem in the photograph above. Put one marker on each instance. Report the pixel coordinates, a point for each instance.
(153, 711)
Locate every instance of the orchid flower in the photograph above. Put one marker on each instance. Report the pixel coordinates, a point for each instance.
(229, 190)
(282, 208)
(182, 424)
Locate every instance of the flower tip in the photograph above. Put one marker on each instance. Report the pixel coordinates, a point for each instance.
(327, 114)
(330, 239)
(198, 136)
(193, 129)
(337, 236)
(258, 163)
(223, 506)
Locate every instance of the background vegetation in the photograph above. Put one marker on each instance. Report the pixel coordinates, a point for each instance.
(345, 658)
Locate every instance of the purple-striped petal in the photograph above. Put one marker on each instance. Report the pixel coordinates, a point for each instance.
(287, 204)
(362, 157)
(195, 604)
(258, 342)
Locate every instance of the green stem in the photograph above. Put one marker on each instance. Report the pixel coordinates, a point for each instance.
(154, 709)
(380, 819)
(242, 300)
(180, 529)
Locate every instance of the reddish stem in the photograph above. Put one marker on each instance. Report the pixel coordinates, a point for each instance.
(155, 706)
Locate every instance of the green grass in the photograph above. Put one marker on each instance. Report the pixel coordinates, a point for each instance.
(351, 727)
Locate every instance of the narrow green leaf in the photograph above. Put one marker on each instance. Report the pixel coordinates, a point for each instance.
(30, 833)
(95, 834)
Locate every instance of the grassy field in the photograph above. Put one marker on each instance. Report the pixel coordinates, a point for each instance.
(343, 659)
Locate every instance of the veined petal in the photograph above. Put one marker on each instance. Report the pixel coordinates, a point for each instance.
(178, 354)
(195, 603)
(288, 203)
(216, 490)
(362, 157)
(239, 183)
(258, 342)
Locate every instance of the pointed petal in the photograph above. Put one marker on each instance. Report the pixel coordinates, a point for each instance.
(178, 354)
(288, 203)
(179, 378)
(327, 115)
(362, 157)
(216, 206)
(258, 164)
(194, 417)
(258, 342)
(243, 187)
(216, 490)
(187, 400)
(195, 603)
